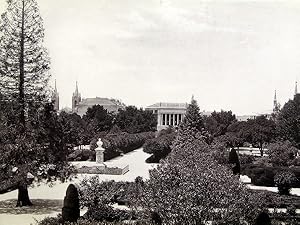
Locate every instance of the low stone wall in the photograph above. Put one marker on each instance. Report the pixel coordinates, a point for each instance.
(103, 170)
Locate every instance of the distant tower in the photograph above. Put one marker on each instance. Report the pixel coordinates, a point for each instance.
(55, 98)
(296, 89)
(76, 98)
(276, 106)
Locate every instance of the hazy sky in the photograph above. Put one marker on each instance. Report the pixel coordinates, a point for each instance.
(229, 54)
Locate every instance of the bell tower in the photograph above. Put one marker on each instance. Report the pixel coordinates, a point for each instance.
(76, 99)
(55, 98)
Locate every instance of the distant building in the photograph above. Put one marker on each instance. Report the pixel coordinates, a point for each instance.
(81, 105)
(168, 114)
(55, 98)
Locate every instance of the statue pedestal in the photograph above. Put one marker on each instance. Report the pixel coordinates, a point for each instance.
(99, 167)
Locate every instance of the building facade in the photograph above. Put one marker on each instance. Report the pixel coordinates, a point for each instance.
(168, 114)
(81, 105)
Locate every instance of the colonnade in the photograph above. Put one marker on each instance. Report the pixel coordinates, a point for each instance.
(170, 119)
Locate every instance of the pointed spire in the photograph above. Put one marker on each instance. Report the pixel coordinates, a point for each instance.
(296, 88)
(275, 96)
(55, 89)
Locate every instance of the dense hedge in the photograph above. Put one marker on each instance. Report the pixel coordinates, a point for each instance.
(159, 147)
(82, 155)
(264, 175)
(82, 221)
(115, 144)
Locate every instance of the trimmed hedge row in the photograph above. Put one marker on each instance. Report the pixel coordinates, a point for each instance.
(115, 144)
(264, 175)
(159, 147)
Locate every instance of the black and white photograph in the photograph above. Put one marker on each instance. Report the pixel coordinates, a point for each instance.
(150, 112)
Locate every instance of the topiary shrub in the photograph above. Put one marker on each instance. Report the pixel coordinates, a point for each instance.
(284, 181)
(234, 160)
(263, 219)
(156, 219)
(71, 211)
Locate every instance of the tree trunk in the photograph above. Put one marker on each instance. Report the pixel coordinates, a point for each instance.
(23, 197)
(21, 75)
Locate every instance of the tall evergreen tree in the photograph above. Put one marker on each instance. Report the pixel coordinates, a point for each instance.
(24, 62)
(36, 146)
(288, 123)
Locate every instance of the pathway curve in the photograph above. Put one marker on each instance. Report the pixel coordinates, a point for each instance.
(137, 167)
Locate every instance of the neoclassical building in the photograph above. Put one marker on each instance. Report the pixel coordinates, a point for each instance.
(168, 114)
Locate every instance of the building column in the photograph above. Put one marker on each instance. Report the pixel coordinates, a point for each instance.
(174, 119)
(159, 117)
(169, 119)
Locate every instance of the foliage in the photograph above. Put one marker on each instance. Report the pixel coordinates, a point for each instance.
(133, 120)
(115, 144)
(262, 175)
(93, 191)
(74, 129)
(107, 213)
(218, 122)
(282, 153)
(160, 147)
(82, 221)
(190, 187)
(246, 159)
(219, 152)
(98, 119)
(82, 155)
(71, 211)
(24, 62)
(284, 181)
(35, 140)
(234, 161)
(259, 131)
(231, 139)
(288, 123)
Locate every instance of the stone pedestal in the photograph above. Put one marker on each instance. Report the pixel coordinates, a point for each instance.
(99, 156)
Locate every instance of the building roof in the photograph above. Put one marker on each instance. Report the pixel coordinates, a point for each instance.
(168, 105)
(97, 101)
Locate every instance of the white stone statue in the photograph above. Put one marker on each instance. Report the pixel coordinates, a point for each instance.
(99, 143)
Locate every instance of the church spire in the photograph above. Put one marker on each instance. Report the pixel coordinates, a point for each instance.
(276, 105)
(55, 97)
(76, 98)
(296, 88)
(55, 89)
(76, 89)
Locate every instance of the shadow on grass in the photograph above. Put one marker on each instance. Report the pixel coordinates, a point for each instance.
(40, 206)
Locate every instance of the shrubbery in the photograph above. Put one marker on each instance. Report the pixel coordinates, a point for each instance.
(115, 144)
(190, 187)
(264, 175)
(159, 147)
(282, 154)
(285, 180)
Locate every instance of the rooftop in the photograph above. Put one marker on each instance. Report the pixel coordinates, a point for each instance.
(168, 105)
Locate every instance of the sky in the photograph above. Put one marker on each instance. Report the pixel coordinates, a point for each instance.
(230, 55)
